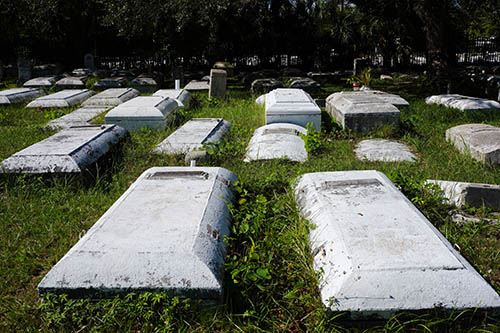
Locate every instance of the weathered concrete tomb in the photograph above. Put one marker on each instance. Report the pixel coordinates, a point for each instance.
(79, 117)
(463, 194)
(165, 233)
(195, 85)
(147, 82)
(384, 150)
(378, 254)
(181, 96)
(293, 106)
(19, 95)
(152, 112)
(361, 111)
(72, 82)
(62, 99)
(194, 134)
(481, 141)
(277, 141)
(42, 82)
(69, 151)
(111, 82)
(393, 99)
(464, 103)
(111, 97)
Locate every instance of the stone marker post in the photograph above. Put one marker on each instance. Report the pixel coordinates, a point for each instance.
(218, 78)
(358, 66)
(177, 84)
(23, 69)
(88, 61)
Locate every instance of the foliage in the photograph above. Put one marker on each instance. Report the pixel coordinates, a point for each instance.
(312, 140)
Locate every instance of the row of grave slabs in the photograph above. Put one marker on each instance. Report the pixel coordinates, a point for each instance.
(379, 254)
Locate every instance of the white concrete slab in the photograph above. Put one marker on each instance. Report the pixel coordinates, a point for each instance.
(463, 103)
(181, 96)
(111, 97)
(277, 141)
(195, 85)
(384, 151)
(481, 141)
(463, 194)
(165, 233)
(72, 82)
(193, 135)
(293, 106)
(79, 117)
(69, 151)
(152, 112)
(19, 95)
(41, 82)
(361, 110)
(378, 254)
(62, 99)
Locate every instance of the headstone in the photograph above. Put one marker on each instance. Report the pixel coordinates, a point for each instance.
(72, 82)
(195, 85)
(88, 61)
(378, 255)
(293, 106)
(165, 233)
(481, 141)
(151, 112)
(262, 86)
(476, 195)
(277, 141)
(361, 111)
(45, 82)
(384, 151)
(111, 97)
(79, 117)
(464, 103)
(69, 151)
(358, 66)
(23, 70)
(19, 95)
(111, 82)
(181, 96)
(194, 134)
(218, 80)
(62, 99)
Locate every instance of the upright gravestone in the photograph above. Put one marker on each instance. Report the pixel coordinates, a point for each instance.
(23, 69)
(88, 61)
(358, 66)
(218, 78)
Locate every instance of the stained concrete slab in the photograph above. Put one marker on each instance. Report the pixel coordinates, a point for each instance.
(461, 194)
(42, 82)
(277, 141)
(145, 84)
(361, 111)
(217, 83)
(111, 97)
(384, 151)
(195, 85)
(165, 233)
(19, 95)
(62, 99)
(111, 82)
(194, 134)
(393, 99)
(72, 82)
(69, 151)
(152, 112)
(293, 106)
(378, 254)
(79, 117)
(481, 141)
(181, 96)
(464, 103)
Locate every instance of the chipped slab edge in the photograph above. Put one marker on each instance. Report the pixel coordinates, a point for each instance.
(463, 193)
(461, 141)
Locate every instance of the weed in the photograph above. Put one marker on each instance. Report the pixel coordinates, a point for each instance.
(312, 139)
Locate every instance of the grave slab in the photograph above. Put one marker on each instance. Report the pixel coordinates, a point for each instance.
(293, 106)
(384, 151)
(277, 141)
(361, 111)
(69, 151)
(111, 97)
(146, 85)
(195, 85)
(470, 194)
(378, 254)
(111, 82)
(79, 117)
(152, 112)
(464, 103)
(72, 82)
(165, 233)
(481, 141)
(194, 134)
(181, 96)
(393, 99)
(41, 82)
(62, 99)
(19, 95)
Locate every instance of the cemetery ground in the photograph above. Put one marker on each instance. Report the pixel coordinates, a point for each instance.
(270, 284)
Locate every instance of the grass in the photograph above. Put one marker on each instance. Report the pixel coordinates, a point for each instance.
(270, 284)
